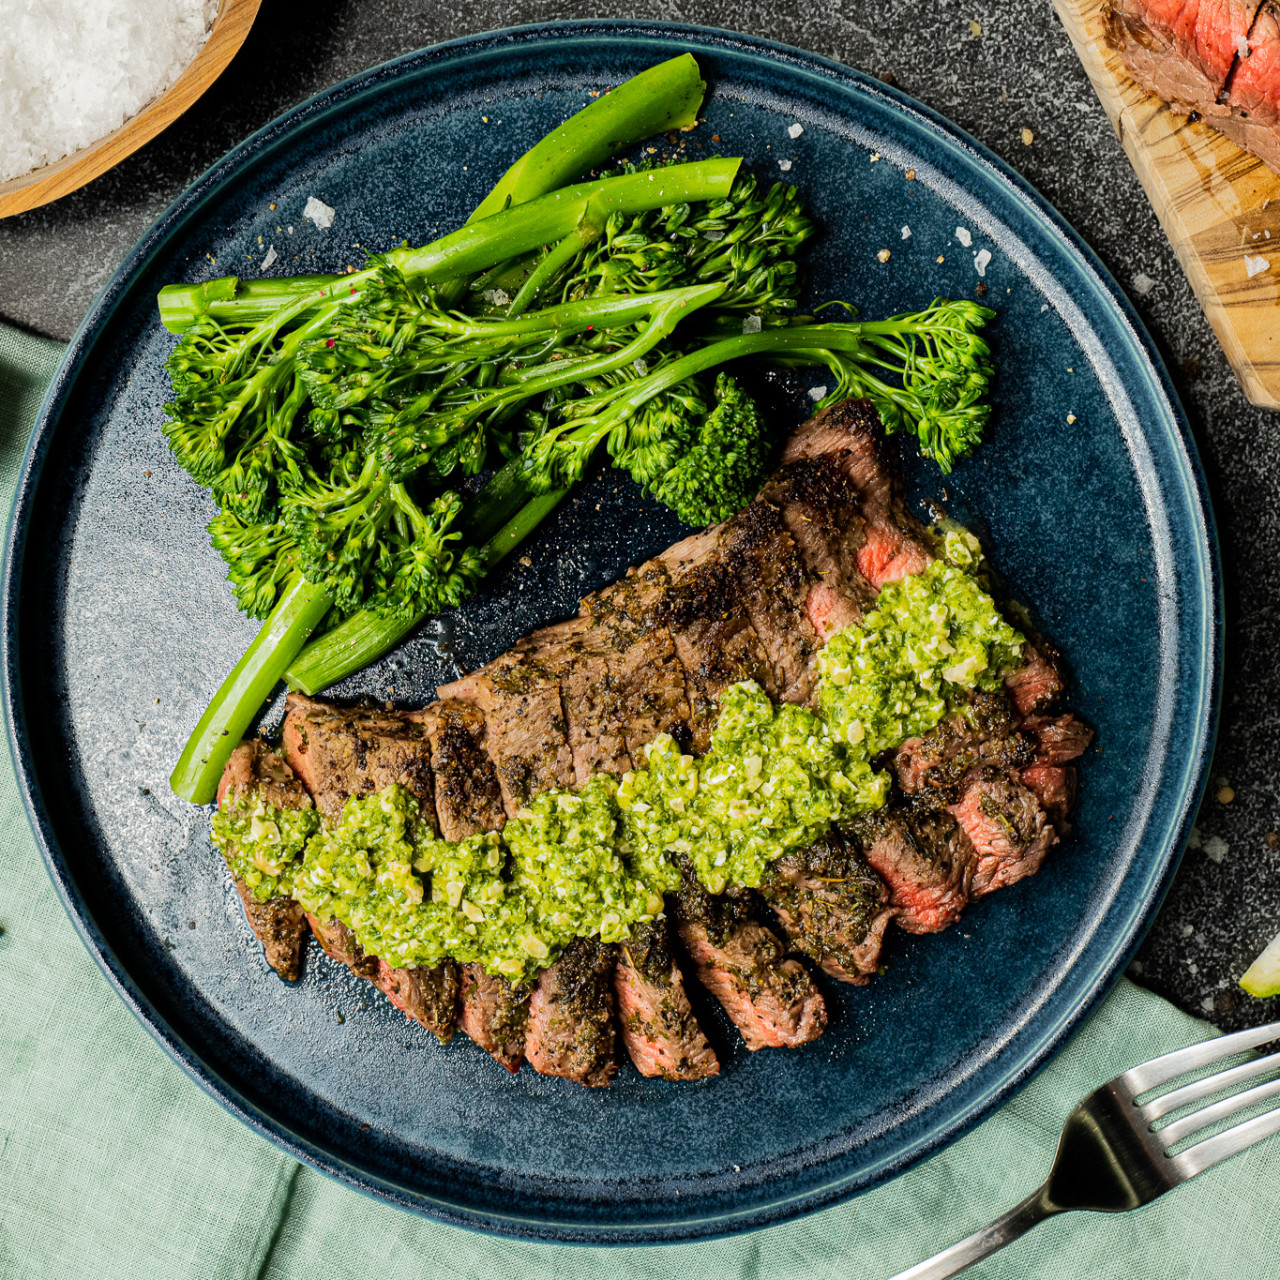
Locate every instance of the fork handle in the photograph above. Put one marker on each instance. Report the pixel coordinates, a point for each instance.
(1004, 1230)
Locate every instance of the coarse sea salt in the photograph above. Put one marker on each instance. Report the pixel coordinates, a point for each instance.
(1255, 266)
(964, 235)
(319, 213)
(982, 260)
(71, 72)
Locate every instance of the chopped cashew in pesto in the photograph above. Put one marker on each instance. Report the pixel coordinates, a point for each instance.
(597, 860)
(262, 843)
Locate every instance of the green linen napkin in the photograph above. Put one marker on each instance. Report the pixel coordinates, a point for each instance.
(115, 1166)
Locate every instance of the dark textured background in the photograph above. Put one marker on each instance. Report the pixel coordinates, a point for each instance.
(1014, 70)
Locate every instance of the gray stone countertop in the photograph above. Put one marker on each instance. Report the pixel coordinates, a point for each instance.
(995, 67)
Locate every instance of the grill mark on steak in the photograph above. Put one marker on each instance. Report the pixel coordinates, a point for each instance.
(344, 752)
(832, 907)
(924, 857)
(277, 923)
(771, 1000)
(570, 1031)
(659, 1029)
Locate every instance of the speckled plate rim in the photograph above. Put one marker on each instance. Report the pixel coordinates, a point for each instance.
(1204, 580)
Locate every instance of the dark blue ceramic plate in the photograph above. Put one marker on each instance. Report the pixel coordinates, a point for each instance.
(118, 628)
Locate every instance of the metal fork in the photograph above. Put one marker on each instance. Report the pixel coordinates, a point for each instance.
(1110, 1158)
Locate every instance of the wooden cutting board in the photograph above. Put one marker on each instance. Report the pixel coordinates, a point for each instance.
(1215, 202)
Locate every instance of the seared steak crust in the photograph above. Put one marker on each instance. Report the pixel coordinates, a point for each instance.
(658, 1026)
(832, 907)
(570, 1031)
(468, 798)
(495, 1014)
(771, 1000)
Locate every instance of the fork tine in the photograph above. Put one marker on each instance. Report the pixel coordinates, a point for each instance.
(1198, 1089)
(1161, 1070)
(1187, 1125)
(1204, 1155)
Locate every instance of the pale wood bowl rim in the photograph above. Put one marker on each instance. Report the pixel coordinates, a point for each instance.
(51, 181)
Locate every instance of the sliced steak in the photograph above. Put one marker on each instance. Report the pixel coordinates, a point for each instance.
(1056, 788)
(570, 1031)
(1254, 91)
(821, 510)
(495, 1014)
(341, 944)
(924, 857)
(658, 1025)
(832, 907)
(525, 731)
(1039, 681)
(1058, 739)
(714, 640)
(986, 731)
(770, 999)
(1007, 827)
(773, 583)
(342, 752)
(428, 996)
(277, 923)
(468, 798)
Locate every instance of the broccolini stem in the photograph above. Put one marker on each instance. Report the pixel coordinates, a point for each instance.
(286, 630)
(366, 635)
(477, 245)
(586, 233)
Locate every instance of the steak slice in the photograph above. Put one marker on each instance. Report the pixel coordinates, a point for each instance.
(986, 731)
(1056, 788)
(774, 586)
(1058, 740)
(821, 510)
(714, 640)
(277, 923)
(1007, 827)
(771, 1000)
(340, 752)
(428, 996)
(525, 730)
(341, 944)
(495, 1014)
(468, 798)
(1254, 91)
(832, 907)
(658, 1025)
(924, 857)
(570, 1032)
(1039, 681)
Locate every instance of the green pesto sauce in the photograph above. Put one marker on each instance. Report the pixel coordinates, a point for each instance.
(597, 860)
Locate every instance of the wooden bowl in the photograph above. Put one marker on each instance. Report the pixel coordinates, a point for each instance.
(31, 190)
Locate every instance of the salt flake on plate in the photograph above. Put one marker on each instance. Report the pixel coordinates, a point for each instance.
(795, 131)
(751, 324)
(319, 213)
(817, 393)
(272, 255)
(1255, 266)
(906, 232)
(981, 260)
(784, 165)
(964, 236)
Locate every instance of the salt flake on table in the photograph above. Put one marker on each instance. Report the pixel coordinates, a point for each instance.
(795, 131)
(1143, 284)
(270, 258)
(1255, 266)
(964, 236)
(319, 213)
(817, 393)
(1215, 848)
(981, 260)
